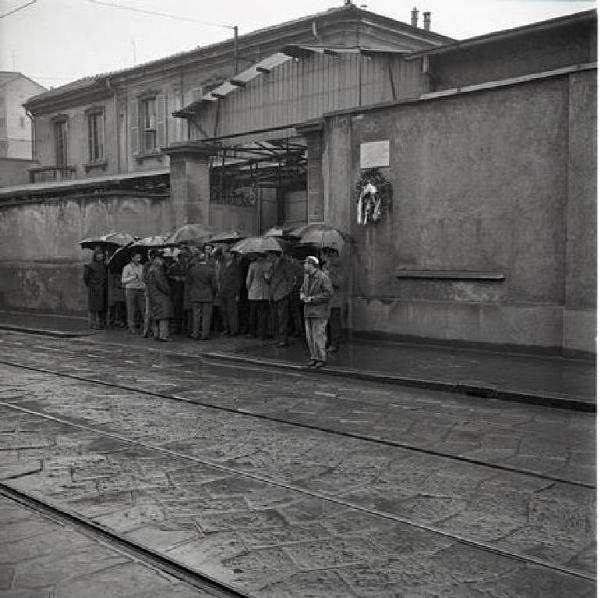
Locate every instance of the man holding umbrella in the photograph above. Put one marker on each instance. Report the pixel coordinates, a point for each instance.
(315, 294)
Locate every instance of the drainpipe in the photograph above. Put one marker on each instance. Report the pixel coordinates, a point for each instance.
(117, 124)
(33, 144)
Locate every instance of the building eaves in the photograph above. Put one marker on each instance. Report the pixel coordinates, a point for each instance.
(588, 16)
(224, 48)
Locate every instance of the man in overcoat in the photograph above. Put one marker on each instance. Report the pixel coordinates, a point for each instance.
(229, 283)
(159, 295)
(281, 283)
(315, 294)
(202, 282)
(95, 277)
(334, 268)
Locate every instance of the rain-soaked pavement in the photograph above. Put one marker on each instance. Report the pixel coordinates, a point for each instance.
(284, 485)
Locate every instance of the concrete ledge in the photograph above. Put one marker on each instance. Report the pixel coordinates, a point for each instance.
(43, 331)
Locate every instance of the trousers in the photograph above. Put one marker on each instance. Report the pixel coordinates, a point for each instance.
(202, 316)
(161, 329)
(282, 314)
(229, 314)
(136, 304)
(316, 337)
(334, 327)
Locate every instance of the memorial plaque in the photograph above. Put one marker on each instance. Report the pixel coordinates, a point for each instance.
(375, 154)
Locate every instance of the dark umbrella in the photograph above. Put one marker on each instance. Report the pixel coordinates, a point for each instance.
(123, 255)
(108, 241)
(191, 234)
(230, 236)
(257, 245)
(321, 235)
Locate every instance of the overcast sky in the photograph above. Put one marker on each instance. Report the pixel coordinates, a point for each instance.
(56, 41)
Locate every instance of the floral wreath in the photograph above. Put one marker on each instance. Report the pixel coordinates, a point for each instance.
(373, 195)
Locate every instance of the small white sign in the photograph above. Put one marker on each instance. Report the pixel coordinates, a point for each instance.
(375, 154)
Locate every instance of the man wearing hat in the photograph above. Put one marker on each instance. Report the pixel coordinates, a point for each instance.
(315, 294)
(202, 282)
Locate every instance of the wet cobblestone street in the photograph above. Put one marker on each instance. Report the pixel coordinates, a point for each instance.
(281, 485)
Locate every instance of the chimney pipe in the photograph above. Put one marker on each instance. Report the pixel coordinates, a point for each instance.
(414, 17)
(427, 21)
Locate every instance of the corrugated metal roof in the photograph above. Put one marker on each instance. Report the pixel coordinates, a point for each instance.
(36, 187)
(272, 62)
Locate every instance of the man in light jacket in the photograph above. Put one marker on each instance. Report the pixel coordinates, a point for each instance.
(133, 282)
(258, 297)
(315, 294)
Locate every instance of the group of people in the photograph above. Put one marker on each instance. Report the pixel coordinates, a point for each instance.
(199, 290)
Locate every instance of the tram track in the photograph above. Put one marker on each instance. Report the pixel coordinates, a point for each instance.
(312, 426)
(480, 545)
(122, 544)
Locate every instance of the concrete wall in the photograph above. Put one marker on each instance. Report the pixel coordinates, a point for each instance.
(500, 181)
(14, 171)
(40, 259)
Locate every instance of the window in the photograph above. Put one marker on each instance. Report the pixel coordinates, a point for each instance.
(60, 142)
(95, 136)
(148, 124)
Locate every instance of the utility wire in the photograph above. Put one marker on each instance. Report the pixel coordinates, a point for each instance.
(158, 14)
(10, 12)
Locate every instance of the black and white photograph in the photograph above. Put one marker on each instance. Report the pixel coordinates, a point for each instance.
(298, 299)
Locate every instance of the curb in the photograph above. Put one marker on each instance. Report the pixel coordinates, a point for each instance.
(476, 389)
(479, 390)
(43, 331)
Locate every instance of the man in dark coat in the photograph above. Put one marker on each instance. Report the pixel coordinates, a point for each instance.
(281, 283)
(95, 278)
(202, 282)
(159, 294)
(229, 283)
(334, 268)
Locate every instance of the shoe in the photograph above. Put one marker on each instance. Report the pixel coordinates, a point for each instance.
(204, 338)
(226, 333)
(165, 340)
(319, 364)
(282, 344)
(312, 363)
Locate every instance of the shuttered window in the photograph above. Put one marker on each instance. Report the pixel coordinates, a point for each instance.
(60, 142)
(95, 136)
(148, 124)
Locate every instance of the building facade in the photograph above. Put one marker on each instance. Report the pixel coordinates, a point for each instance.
(15, 124)
(488, 147)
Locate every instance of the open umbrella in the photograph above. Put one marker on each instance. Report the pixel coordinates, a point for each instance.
(107, 241)
(321, 235)
(256, 245)
(193, 234)
(230, 236)
(123, 255)
(282, 232)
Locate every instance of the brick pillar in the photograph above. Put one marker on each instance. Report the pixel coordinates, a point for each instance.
(190, 183)
(313, 133)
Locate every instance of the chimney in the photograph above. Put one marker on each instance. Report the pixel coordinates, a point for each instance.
(414, 17)
(427, 21)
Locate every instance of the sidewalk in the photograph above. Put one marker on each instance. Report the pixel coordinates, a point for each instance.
(547, 380)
